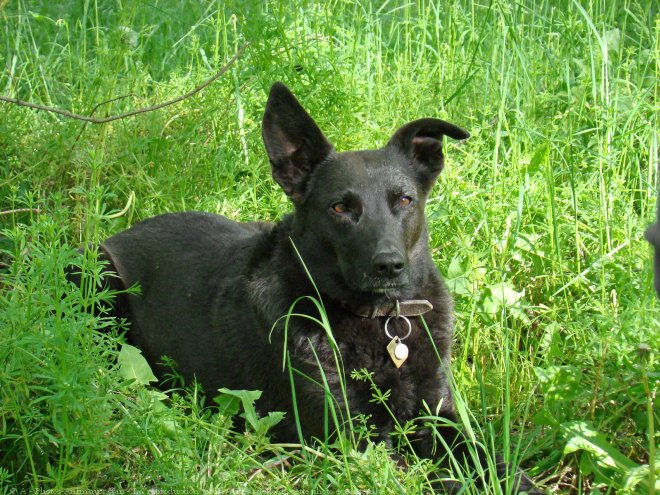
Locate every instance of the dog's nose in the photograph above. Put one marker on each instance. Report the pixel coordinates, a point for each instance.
(388, 264)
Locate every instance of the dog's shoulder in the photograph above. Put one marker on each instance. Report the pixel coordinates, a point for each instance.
(273, 276)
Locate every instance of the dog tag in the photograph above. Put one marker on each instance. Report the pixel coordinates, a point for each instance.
(398, 351)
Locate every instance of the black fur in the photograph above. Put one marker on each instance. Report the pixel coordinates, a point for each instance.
(652, 235)
(212, 289)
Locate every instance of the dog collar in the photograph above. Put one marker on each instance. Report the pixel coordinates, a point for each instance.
(397, 350)
(411, 307)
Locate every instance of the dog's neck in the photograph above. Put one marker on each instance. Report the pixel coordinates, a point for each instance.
(411, 307)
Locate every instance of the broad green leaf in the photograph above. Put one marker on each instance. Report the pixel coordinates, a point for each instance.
(230, 401)
(640, 476)
(539, 158)
(559, 383)
(455, 268)
(159, 406)
(505, 294)
(582, 436)
(133, 365)
(267, 422)
(247, 398)
(228, 405)
(551, 342)
(456, 278)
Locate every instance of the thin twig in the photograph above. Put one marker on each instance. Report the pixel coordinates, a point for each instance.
(96, 107)
(21, 210)
(111, 118)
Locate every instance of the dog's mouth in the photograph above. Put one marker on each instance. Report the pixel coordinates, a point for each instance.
(383, 287)
(385, 290)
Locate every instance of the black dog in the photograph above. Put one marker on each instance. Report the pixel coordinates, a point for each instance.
(213, 291)
(653, 236)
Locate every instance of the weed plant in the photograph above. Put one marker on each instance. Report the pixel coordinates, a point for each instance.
(536, 225)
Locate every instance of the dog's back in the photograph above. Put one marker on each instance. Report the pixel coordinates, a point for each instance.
(189, 268)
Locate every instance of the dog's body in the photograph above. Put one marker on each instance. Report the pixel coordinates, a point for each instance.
(213, 291)
(235, 284)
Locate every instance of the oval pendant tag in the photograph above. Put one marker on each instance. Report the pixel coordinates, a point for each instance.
(398, 352)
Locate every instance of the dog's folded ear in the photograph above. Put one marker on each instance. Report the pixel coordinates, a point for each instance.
(421, 142)
(294, 142)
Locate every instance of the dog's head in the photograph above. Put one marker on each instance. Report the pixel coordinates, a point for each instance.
(359, 219)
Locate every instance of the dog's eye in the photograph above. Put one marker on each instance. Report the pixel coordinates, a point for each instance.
(340, 208)
(405, 201)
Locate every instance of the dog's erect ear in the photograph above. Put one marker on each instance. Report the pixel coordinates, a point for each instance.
(421, 141)
(294, 142)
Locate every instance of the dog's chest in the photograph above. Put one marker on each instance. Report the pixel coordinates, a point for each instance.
(363, 347)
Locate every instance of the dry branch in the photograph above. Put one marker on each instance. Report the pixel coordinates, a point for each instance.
(21, 210)
(111, 118)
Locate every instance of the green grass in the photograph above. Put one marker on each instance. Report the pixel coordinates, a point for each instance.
(536, 223)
